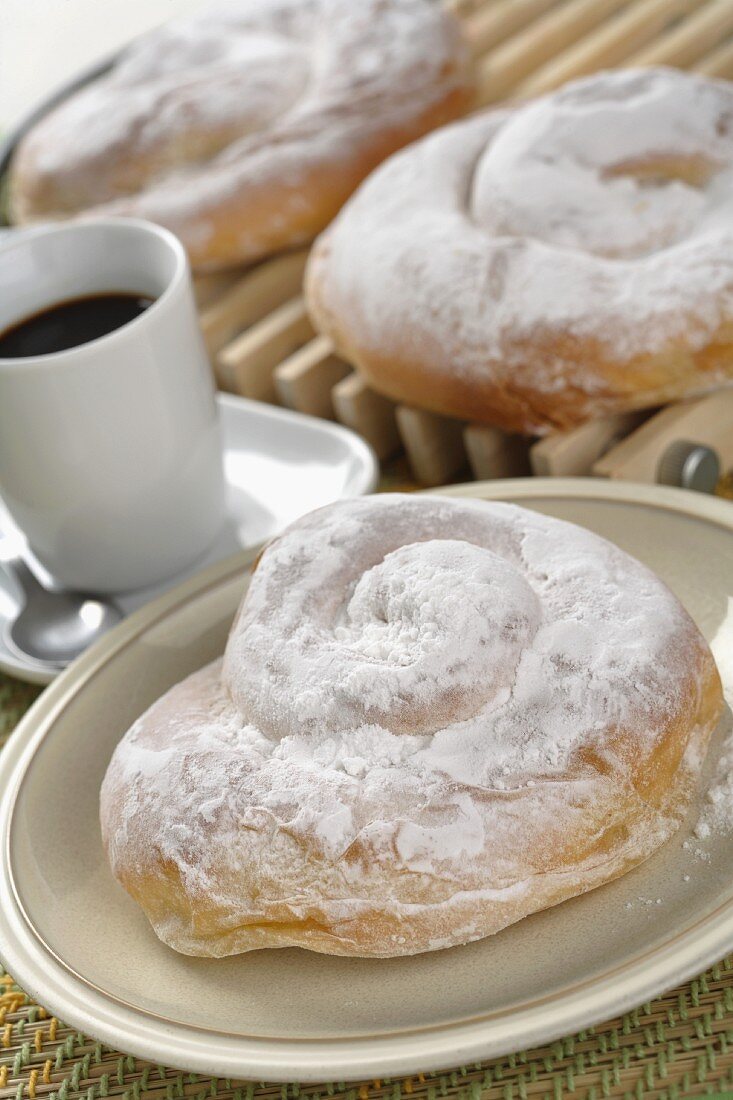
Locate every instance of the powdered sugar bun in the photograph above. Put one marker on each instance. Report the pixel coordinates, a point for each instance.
(544, 264)
(432, 718)
(245, 127)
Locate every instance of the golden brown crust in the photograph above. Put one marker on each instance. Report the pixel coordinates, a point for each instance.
(596, 846)
(235, 194)
(463, 283)
(258, 220)
(259, 805)
(642, 382)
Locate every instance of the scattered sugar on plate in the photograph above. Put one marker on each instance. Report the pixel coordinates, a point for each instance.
(699, 853)
(646, 902)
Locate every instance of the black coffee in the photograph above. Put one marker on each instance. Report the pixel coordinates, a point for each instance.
(70, 323)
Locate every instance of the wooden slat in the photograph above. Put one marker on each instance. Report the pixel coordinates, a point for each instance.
(493, 453)
(434, 444)
(251, 297)
(556, 31)
(572, 453)
(492, 23)
(256, 328)
(305, 379)
(691, 40)
(717, 63)
(207, 288)
(249, 361)
(609, 45)
(705, 420)
(464, 8)
(369, 413)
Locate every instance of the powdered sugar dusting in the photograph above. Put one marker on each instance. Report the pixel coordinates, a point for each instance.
(418, 687)
(581, 169)
(600, 216)
(242, 94)
(492, 621)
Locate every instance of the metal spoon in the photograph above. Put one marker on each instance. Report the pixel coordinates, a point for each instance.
(52, 628)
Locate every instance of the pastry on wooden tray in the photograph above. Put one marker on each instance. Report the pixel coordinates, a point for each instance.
(245, 127)
(545, 263)
(433, 718)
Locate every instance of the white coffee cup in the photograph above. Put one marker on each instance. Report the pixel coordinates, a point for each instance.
(110, 458)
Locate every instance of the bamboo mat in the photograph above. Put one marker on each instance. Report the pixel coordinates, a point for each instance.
(680, 1045)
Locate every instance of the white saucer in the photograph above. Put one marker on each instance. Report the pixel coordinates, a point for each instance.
(278, 465)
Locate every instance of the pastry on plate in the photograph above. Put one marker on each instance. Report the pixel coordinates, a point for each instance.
(244, 128)
(433, 717)
(548, 262)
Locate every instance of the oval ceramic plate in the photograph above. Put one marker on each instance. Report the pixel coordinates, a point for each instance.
(75, 940)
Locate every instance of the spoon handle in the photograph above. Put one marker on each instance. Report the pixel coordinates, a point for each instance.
(22, 574)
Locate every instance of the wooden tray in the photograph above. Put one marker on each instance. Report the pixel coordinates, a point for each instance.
(263, 345)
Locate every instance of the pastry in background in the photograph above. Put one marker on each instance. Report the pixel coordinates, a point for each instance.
(245, 127)
(433, 717)
(545, 263)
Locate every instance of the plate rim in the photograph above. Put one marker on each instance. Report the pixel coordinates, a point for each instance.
(184, 1046)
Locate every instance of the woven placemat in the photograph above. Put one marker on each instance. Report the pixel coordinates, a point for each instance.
(680, 1045)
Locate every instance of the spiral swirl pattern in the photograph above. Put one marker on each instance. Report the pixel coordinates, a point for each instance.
(425, 636)
(540, 265)
(433, 716)
(351, 624)
(243, 128)
(594, 174)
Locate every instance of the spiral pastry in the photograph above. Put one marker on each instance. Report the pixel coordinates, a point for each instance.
(541, 265)
(432, 718)
(243, 128)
